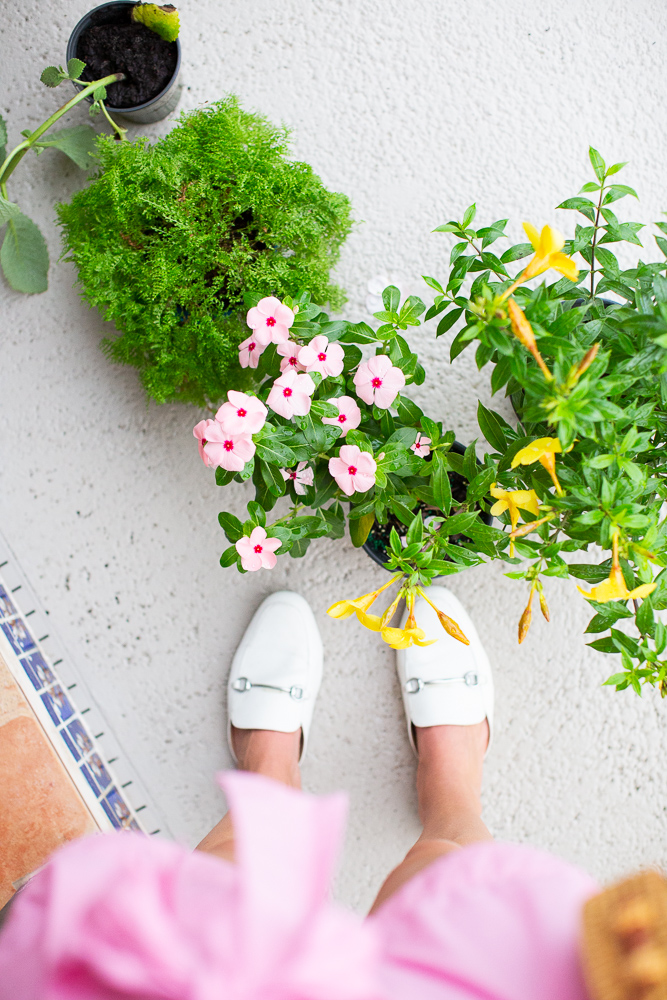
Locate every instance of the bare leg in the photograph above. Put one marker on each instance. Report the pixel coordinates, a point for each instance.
(449, 781)
(263, 751)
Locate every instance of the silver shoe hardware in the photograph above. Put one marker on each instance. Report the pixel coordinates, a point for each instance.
(243, 684)
(415, 684)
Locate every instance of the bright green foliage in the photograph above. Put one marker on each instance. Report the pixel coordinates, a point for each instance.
(168, 236)
(162, 20)
(610, 414)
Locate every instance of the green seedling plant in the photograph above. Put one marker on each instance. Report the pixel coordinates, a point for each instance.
(24, 256)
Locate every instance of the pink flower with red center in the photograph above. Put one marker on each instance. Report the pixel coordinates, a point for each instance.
(250, 351)
(354, 469)
(290, 394)
(421, 446)
(289, 352)
(202, 431)
(257, 551)
(321, 356)
(219, 447)
(270, 320)
(242, 414)
(349, 414)
(301, 477)
(378, 381)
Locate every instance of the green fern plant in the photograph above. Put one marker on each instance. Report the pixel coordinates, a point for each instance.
(167, 236)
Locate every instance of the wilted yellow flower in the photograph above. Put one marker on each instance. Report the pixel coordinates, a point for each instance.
(547, 246)
(523, 332)
(513, 501)
(615, 588)
(542, 450)
(526, 617)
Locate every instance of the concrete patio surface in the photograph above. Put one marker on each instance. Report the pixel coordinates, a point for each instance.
(414, 109)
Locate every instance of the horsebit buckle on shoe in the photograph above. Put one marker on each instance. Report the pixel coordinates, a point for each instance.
(415, 684)
(243, 684)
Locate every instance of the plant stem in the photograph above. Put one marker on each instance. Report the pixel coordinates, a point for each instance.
(595, 233)
(14, 158)
(120, 132)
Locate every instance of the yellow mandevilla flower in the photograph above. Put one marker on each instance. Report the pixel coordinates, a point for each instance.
(513, 501)
(547, 246)
(543, 451)
(401, 638)
(615, 588)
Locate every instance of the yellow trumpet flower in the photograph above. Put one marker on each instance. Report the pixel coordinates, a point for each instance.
(449, 625)
(343, 609)
(526, 617)
(523, 332)
(401, 638)
(547, 246)
(615, 588)
(513, 501)
(543, 451)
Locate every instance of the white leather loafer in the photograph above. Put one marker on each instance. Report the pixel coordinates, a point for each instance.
(448, 683)
(277, 669)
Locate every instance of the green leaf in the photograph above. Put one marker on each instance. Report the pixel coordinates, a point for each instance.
(448, 321)
(597, 163)
(480, 484)
(616, 167)
(229, 556)
(359, 333)
(272, 478)
(52, 76)
(257, 513)
(589, 572)
(491, 428)
(360, 529)
(75, 68)
(583, 205)
(223, 476)
(99, 94)
(605, 645)
(299, 548)
(162, 20)
(469, 215)
(517, 252)
(442, 491)
(24, 257)
(8, 210)
(618, 191)
(416, 530)
(408, 411)
(77, 142)
(410, 310)
(272, 451)
(231, 526)
(391, 298)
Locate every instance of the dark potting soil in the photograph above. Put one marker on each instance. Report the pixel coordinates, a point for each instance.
(146, 59)
(378, 540)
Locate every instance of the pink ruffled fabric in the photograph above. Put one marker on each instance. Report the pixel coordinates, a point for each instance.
(122, 916)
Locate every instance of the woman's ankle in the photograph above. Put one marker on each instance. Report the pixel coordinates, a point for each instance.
(270, 753)
(449, 778)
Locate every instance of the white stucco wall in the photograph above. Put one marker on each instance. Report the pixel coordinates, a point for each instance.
(414, 109)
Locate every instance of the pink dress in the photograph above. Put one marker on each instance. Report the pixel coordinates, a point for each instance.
(121, 916)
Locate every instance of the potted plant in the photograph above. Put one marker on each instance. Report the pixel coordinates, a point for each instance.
(335, 436)
(168, 237)
(24, 256)
(584, 470)
(139, 40)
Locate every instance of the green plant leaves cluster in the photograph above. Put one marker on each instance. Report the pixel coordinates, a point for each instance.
(609, 413)
(168, 237)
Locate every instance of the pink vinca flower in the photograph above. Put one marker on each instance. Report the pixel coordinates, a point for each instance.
(202, 431)
(229, 451)
(270, 320)
(249, 352)
(242, 414)
(421, 446)
(289, 351)
(302, 476)
(290, 394)
(349, 414)
(378, 381)
(321, 356)
(354, 470)
(258, 551)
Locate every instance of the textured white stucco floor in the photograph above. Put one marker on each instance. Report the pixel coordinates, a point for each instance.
(414, 109)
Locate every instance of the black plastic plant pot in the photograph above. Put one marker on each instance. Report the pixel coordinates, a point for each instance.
(149, 62)
(377, 543)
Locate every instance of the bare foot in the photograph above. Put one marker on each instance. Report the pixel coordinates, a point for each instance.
(449, 776)
(273, 754)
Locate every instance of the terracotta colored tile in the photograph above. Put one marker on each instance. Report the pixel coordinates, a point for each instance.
(41, 807)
